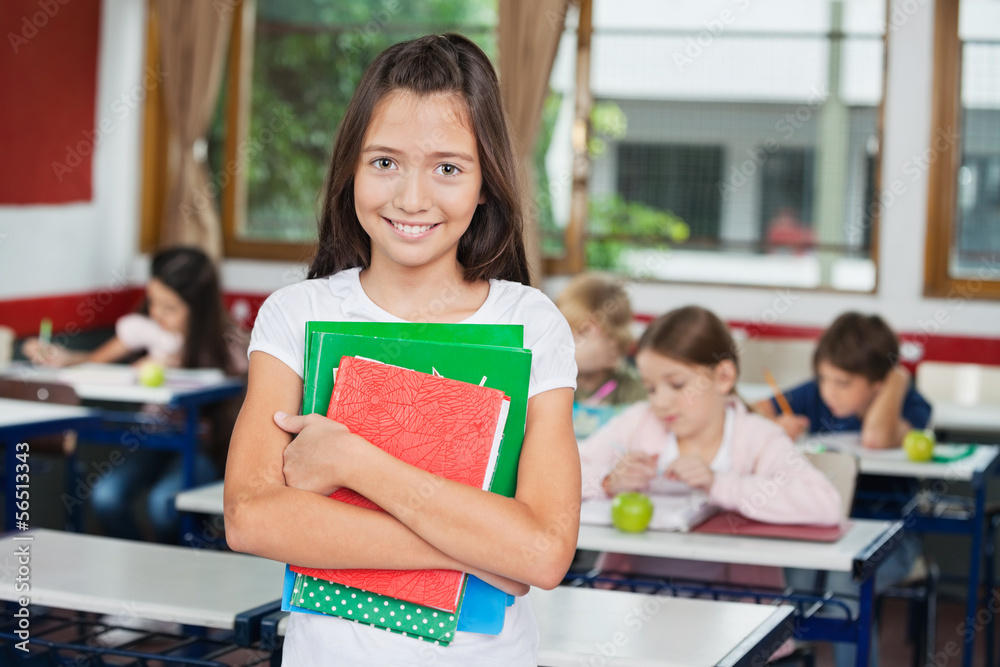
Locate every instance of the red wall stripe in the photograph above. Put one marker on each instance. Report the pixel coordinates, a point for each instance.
(94, 310)
(70, 313)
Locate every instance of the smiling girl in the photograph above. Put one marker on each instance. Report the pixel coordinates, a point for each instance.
(421, 223)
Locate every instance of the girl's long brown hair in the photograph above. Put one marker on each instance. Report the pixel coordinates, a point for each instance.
(692, 335)
(493, 246)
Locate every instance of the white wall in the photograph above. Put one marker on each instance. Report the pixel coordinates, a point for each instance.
(55, 250)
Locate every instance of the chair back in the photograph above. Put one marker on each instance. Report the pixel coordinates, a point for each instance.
(965, 384)
(47, 392)
(842, 471)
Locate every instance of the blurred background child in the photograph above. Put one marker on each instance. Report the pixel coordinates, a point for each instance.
(694, 429)
(858, 387)
(597, 308)
(181, 324)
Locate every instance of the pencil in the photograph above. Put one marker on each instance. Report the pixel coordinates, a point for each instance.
(45, 331)
(786, 409)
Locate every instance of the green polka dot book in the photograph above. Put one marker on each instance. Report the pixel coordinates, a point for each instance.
(380, 611)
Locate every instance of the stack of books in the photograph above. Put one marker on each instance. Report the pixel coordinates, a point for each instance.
(449, 398)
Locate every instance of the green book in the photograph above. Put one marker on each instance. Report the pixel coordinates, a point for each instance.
(452, 350)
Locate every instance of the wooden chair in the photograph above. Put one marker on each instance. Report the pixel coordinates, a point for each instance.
(61, 445)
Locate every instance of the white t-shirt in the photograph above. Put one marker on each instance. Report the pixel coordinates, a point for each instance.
(279, 330)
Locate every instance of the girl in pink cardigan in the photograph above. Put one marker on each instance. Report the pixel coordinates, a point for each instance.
(695, 430)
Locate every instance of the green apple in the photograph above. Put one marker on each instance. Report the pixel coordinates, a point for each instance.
(631, 511)
(919, 445)
(151, 374)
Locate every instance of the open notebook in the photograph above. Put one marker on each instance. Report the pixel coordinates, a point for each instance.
(675, 511)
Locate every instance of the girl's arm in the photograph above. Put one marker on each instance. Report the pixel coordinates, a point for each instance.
(530, 538)
(783, 488)
(883, 426)
(58, 356)
(267, 518)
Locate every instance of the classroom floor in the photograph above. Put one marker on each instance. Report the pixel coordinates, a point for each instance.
(896, 651)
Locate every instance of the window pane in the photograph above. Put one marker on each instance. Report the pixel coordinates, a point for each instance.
(977, 230)
(308, 58)
(753, 126)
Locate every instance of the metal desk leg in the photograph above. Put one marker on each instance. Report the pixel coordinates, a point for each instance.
(972, 601)
(866, 617)
(189, 452)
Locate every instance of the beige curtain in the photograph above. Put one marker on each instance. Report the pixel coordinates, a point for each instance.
(193, 39)
(529, 37)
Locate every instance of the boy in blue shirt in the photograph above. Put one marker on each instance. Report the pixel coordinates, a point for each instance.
(858, 387)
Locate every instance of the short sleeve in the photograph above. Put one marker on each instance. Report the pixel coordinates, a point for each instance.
(278, 333)
(553, 354)
(916, 409)
(138, 332)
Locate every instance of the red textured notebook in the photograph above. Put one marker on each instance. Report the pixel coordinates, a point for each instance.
(731, 523)
(447, 427)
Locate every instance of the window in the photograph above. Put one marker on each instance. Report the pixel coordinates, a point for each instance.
(676, 178)
(293, 68)
(963, 225)
(758, 133)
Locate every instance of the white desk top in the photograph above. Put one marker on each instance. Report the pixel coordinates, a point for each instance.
(645, 630)
(21, 413)
(116, 382)
(893, 462)
(638, 630)
(836, 556)
(203, 499)
(150, 581)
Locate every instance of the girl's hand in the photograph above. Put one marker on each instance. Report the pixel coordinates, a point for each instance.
(794, 425)
(48, 354)
(692, 470)
(632, 472)
(320, 455)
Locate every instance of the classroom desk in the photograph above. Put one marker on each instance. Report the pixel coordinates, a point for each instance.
(974, 469)
(586, 626)
(860, 551)
(206, 499)
(22, 420)
(103, 575)
(188, 390)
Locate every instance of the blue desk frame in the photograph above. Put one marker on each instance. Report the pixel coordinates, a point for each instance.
(974, 527)
(117, 426)
(11, 435)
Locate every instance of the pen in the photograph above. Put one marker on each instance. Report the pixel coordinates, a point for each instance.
(786, 409)
(45, 331)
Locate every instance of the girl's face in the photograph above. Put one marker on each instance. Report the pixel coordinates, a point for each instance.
(687, 398)
(419, 179)
(596, 351)
(846, 394)
(166, 307)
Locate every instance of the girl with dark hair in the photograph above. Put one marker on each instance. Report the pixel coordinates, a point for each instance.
(182, 323)
(421, 222)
